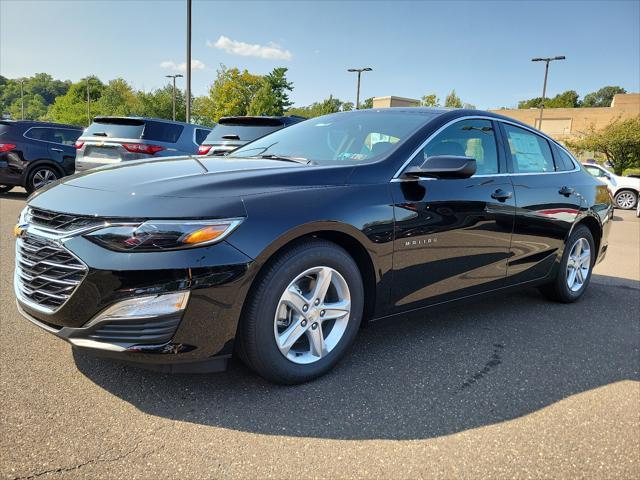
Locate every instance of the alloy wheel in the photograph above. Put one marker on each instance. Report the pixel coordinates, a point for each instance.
(625, 200)
(42, 177)
(312, 315)
(578, 264)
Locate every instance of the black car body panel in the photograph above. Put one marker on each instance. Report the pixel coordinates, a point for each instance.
(36, 143)
(417, 242)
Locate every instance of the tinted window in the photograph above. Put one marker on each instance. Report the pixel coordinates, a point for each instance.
(564, 161)
(339, 137)
(116, 128)
(40, 133)
(201, 134)
(65, 136)
(595, 171)
(162, 132)
(246, 133)
(530, 153)
(467, 138)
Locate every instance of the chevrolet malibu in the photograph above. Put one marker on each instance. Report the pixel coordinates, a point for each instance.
(280, 251)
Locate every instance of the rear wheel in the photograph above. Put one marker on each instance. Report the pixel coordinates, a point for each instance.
(5, 188)
(626, 199)
(575, 269)
(303, 313)
(40, 176)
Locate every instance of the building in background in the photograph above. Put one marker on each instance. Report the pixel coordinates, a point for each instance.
(391, 101)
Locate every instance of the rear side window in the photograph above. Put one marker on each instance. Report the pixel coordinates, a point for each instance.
(201, 134)
(65, 136)
(116, 128)
(530, 153)
(162, 132)
(564, 161)
(595, 171)
(245, 133)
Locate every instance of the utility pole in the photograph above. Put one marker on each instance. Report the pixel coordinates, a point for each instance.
(22, 96)
(188, 99)
(544, 86)
(88, 104)
(174, 92)
(359, 71)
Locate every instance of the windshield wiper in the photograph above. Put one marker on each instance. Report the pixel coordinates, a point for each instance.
(286, 158)
(99, 134)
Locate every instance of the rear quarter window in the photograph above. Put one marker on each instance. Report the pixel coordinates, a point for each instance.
(162, 132)
(563, 161)
(201, 135)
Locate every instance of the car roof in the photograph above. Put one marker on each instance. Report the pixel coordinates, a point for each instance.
(36, 123)
(262, 119)
(155, 119)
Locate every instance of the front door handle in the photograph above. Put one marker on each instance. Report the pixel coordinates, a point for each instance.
(566, 191)
(56, 149)
(501, 195)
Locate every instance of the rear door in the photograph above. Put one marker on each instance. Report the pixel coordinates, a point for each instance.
(453, 236)
(62, 147)
(547, 202)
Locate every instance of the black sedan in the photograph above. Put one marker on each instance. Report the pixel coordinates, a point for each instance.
(282, 250)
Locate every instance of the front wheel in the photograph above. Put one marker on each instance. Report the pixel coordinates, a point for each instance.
(575, 268)
(626, 199)
(5, 188)
(303, 313)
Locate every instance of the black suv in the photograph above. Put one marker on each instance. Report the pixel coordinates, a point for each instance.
(33, 154)
(234, 132)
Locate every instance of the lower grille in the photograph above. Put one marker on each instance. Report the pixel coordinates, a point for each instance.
(47, 274)
(149, 332)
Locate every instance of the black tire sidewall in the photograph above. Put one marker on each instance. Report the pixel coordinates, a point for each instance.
(264, 354)
(562, 289)
(6, 188)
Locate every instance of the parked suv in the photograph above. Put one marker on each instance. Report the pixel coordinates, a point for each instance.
(33, 154)
(625, 190)
(234, 132)
(110, 140)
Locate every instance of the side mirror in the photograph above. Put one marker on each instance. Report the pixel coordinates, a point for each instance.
(443, 166)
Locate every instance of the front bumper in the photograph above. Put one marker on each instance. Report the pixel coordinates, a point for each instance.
(217, 278)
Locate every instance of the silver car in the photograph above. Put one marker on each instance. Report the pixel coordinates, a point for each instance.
(110, 140)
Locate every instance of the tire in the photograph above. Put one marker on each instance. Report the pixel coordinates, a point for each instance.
(40, 176)
(560, 290)
(626, 199)
(5, 188)
(267, 315)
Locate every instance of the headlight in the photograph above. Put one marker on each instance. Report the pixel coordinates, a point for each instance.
(155, 235)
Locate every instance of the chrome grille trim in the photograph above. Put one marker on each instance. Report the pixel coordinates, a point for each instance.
(60, 223)
(46, 273)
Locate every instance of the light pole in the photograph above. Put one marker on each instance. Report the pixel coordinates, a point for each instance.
(188, 99)
(174, 92)
(88, 104)
(359, 70)
(22, 96)
(544, 86)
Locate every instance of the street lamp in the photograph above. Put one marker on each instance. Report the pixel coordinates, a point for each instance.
(174, 92)
(359, 70)
(22, 96)
(544, 87)
(88, 102)
(188, 99)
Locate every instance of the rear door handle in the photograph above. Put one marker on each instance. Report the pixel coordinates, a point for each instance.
(56, 149)
(566, 191)
(501, 195)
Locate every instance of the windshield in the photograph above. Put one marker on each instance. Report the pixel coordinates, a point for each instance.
(340, 137)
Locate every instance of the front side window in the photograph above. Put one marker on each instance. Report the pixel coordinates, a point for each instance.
(40, 133)
(353, 137)
(467, 138)
(530, 153)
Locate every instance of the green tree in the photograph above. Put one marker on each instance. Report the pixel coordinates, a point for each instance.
(329, 105)
(72, 106)
(40, 91)
(603, 97)
(619, 142)
(366, 103)
(280, 87)
(159, 103)
(430, 100)
(265, 101)
(232, 92)
(118, 98)
(453, 100)
(568, 99)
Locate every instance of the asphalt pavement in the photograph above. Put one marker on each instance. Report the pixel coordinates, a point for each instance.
(511, 386)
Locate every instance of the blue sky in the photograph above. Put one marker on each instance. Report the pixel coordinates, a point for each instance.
(482, 49)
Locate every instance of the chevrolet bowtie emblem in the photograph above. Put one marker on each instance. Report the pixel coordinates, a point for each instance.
(19, 229)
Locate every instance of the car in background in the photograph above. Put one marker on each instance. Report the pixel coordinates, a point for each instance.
(625, 190)
(110, 140)
(33, 154)
(234, 132)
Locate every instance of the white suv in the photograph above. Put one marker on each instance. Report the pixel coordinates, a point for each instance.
(625, 190)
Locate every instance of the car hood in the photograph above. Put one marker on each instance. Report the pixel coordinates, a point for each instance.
(168, 187)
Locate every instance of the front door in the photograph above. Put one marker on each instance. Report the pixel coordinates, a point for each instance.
(452, 236)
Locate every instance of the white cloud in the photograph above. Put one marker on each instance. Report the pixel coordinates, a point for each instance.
(270, 51)
(182, 67)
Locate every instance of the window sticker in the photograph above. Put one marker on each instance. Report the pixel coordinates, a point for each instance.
(527, 152)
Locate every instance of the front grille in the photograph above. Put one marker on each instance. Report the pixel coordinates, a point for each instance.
(149, 332)
(59, 222)
(47, 274)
